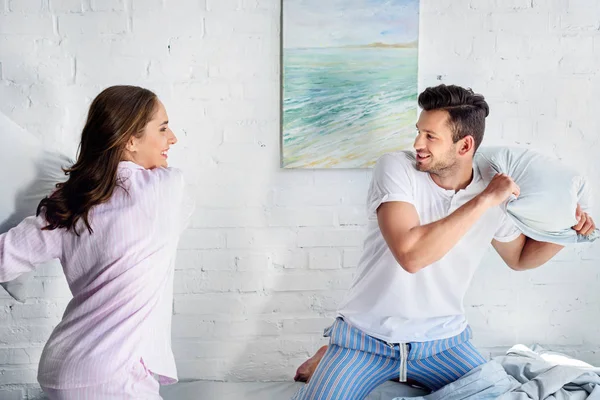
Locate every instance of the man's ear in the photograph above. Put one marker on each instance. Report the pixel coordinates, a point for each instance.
(466, 145)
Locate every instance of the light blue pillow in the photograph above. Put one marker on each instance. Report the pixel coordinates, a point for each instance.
(550, 192)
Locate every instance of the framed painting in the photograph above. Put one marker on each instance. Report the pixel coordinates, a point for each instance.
(349, 81)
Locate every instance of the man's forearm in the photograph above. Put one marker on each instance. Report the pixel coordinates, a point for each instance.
(426, 244)
(536, 253)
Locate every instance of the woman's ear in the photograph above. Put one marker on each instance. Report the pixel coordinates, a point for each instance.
(131, 145)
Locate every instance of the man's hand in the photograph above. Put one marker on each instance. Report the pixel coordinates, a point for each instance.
(586, 225)
(499, 189)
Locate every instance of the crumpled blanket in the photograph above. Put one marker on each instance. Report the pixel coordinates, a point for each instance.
(522, 374)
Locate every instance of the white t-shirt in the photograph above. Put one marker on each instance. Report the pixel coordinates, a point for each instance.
(393, 305)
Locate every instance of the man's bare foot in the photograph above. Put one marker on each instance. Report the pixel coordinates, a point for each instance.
(306, 370)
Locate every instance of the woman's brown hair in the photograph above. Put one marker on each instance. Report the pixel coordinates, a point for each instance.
(116, 114)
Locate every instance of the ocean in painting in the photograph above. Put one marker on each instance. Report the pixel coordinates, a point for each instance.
(345, 107)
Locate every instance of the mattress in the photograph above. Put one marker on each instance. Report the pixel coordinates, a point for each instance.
(209, 390)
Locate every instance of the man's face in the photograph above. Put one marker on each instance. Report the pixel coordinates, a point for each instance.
(436, 151)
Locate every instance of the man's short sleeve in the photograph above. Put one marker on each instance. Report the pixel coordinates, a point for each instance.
(393, 180)
(507, 231)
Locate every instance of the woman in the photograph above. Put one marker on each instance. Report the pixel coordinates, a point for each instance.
(114, 225)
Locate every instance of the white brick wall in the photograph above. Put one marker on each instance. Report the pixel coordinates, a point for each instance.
(270, 252)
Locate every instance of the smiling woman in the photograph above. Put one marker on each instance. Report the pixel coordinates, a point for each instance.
(150, 149)
(125, 123)
(114, 225)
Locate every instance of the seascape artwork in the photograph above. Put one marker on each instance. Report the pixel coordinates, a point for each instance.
(349, 79)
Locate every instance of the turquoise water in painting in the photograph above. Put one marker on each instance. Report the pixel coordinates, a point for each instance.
(344, 107)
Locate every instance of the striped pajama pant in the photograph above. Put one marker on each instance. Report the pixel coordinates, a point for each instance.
(356, 363)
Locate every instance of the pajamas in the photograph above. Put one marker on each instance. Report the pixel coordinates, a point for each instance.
(356, 363)
(137, 383)
(121, 279)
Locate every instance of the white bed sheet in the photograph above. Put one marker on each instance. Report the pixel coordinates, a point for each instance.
(209, 390)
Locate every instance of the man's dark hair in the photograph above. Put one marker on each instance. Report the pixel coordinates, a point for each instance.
(467, 110)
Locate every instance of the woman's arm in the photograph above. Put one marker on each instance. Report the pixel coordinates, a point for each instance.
(27, 245)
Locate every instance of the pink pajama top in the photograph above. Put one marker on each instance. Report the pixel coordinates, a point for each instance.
(120, 276)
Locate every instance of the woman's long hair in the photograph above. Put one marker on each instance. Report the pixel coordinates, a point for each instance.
(115, 115)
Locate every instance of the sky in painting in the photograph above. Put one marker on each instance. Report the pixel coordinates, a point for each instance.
(334, 23)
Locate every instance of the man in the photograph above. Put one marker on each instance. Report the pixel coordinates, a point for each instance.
(430, 222)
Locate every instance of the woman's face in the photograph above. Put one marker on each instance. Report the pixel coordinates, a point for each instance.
(151, 149)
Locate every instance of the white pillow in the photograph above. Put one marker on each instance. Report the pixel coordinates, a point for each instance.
(28, 173)
(550, 192)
